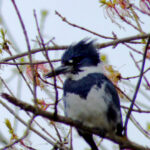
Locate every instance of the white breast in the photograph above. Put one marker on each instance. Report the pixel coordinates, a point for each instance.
(91, 111)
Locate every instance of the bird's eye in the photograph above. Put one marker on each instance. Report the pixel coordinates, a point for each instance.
(73, 61)
(70, 61)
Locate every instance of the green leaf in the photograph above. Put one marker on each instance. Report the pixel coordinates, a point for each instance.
(44, 13)
(148, 126)
(22, 59)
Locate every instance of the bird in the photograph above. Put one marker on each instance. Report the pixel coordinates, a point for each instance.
(88, 95)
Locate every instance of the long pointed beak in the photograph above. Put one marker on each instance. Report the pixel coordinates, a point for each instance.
(60, 70)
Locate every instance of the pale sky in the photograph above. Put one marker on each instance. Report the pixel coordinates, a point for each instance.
(85, 13)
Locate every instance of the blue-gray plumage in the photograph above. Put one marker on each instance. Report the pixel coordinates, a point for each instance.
(89, 96)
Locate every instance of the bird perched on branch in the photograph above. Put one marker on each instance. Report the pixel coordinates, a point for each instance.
(89, 96)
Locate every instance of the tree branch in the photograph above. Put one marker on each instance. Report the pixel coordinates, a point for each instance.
(80, 27)
(137, 87)
(58, 145)
(64, 47)
(122, 141)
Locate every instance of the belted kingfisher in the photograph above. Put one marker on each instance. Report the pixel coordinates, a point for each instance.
(89, 96)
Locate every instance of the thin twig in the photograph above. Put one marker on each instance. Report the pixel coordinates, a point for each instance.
(136, 110)
(133, 49)
(51, 66)
(22, 25)
(139, 70)
(31, 128)
(28, 63)
(20, 139)
(141, 129)
(123, 40)
(140, 10)
(71, 139)
(137, 87)
(128, 22)
(7, 87)
(82, 28)
(45, 131)
(133, 77)
(51, 48)
(57, 131)
(28, 47)
(128, 98)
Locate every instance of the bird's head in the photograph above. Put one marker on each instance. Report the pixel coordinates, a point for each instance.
(77, 56)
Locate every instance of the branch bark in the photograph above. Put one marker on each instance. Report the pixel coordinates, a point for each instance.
(64, 47)
(124, 142)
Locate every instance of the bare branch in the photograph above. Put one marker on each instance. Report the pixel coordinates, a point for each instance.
(49, 61)
(79, 27)
(137, 87)
(123, 141)
(31, 128)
